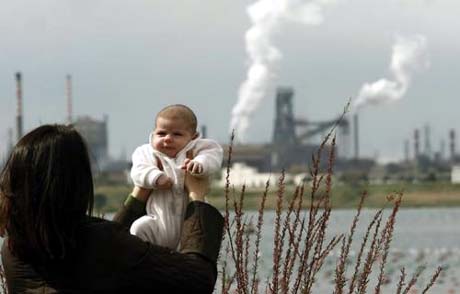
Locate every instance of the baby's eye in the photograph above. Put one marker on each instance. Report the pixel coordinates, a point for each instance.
(178, 134)
(161, 133)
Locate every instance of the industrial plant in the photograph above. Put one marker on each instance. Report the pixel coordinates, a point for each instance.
(94, 131)
(294, 140)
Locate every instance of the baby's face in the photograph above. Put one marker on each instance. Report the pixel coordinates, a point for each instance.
(171, 136)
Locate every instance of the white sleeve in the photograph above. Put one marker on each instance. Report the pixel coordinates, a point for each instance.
(210, 154)
(144, 171)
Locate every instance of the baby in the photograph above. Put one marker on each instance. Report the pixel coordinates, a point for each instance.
(175, 148)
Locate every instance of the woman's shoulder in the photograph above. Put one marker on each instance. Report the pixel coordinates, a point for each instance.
(96, 227)
(110, 242)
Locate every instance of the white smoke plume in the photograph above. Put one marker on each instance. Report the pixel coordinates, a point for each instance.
(409, 55)
(266, 17)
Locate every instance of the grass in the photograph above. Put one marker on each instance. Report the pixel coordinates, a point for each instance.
(344, 195)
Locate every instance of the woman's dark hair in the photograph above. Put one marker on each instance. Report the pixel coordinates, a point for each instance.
(46, 191)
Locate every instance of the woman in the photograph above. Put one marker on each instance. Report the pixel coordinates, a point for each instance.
(53, 245)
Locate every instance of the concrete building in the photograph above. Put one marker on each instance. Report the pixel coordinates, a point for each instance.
(241, 174)
(455, 174)
(96, 136)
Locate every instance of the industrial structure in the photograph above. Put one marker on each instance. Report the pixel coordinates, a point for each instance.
(19, 122)
(294, 141)
(293, 138)
(95, 134)
(94, 131)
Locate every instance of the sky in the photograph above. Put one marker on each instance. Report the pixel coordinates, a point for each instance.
(129, 59)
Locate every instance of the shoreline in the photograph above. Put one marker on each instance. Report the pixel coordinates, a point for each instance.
(344, 196)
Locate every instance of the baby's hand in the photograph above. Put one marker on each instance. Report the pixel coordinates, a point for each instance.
(164, 182)
(193, 167)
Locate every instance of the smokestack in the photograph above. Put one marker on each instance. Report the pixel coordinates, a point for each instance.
(204, 131)
(10, 141)
(452, 145)
(428, 150)
(406, 151)
(69, 98)
(19, 105)
(416, 144)
(442, 150)
(356, 135)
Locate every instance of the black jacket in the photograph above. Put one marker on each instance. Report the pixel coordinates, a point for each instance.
(110, 260)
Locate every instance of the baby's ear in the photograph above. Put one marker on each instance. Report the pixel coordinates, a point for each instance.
(195, 136)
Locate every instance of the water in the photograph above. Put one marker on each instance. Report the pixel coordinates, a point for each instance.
(422, 237)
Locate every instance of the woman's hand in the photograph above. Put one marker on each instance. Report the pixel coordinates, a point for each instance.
(197, 187)
(141, 194)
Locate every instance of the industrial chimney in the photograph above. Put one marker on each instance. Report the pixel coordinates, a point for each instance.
(406, 151)
(69, 98)
(356, 135)
(452, 145)
(427, 149)
(10, 141)
(19, 122)
(416, 144)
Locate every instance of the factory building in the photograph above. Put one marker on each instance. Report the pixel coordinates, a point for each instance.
(294, 139)
(95, 134)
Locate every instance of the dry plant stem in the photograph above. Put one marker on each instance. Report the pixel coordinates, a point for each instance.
(226, 284)
(230, 243)
(319, 255)
(290, 256)
(355, 276)
(227, 197)
(345, 250)
(294, 242)
(317, 263)
(260, 221)
(227, 181)
(371, 256)
(303, 260)
(433, 280)
(239, 243)
(330, 170)
(246, 254)
(402, 279)
(277, 244)
(313, 240)
(386, 240)
(226, 290)
(224, 272)
(311, 221)
(414, 279)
